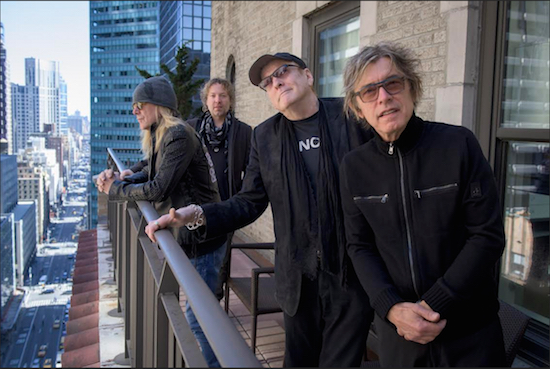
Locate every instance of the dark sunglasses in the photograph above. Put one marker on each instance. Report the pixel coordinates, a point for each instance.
(279, 73)
(138, 105)
(392, 85)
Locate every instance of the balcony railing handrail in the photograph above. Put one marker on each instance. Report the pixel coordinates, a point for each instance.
(227, 343)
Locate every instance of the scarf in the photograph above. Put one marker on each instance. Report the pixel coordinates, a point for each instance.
(321, 221)
(213, 135)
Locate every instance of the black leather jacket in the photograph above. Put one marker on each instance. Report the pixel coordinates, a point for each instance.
(423, 222)
(263, 184)
(180, 175)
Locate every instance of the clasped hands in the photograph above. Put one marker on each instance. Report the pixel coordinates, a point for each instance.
(416, 322)
(106, 178)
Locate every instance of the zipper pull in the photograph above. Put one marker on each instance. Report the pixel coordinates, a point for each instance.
(384, 199)
(417, 192)
(390, 150)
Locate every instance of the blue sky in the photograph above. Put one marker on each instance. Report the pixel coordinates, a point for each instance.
(51, 30)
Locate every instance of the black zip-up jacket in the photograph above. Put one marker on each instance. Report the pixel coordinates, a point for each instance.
(181, 175)
(238, 151)
(423, 222)
(263, 184)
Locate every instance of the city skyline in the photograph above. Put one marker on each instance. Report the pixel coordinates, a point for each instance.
(53, 31)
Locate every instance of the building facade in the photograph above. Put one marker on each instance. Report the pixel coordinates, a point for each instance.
(6, 131)
(25, 114)
(123, 36)
(484, 66)
(44, 75)
(8, 183)
(33, 185)
(7, 260)
(186, 22)
(25, 238)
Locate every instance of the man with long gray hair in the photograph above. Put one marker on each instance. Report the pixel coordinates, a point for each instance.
(423, 221)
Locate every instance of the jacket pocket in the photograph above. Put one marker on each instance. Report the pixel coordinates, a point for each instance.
(372, 199)
(438, 190)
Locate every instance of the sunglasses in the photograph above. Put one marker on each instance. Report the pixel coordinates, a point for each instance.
(138, 105)
(392, 85)
(279, 73)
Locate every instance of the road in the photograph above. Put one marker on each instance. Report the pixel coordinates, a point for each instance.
(44, 304)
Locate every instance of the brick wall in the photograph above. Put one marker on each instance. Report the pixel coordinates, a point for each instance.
(247, 30)
(419, 26)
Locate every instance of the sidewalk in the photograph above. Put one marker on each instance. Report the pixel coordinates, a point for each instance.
(10, 317)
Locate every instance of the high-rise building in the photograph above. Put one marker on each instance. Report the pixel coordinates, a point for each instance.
(33, 185)
(8, 183)
(63, 113)
(25, 237)
(77, 122)
(44, 74)
(7, 259)
(123, 36)
(25, 114)
(186, 22)
(6, 130)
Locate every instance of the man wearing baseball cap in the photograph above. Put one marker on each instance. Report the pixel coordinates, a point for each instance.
(293, 165)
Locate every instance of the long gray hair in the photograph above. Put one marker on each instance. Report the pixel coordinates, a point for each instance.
(401, 57)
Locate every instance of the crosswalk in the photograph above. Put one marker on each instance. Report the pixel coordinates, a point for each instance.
(45, 302)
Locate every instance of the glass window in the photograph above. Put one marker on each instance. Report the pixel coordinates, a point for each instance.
(524, 270)
(197, 45)
(187, 34)
(197, 9)
(206, 47)
(207, 12)
(197, 35)
(187, 9)
(335, 38)
(188, 22)
(197, 22)
(526, 96)
(206, 23)
(206, 35)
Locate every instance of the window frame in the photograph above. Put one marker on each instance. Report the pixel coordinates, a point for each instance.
(327, 17)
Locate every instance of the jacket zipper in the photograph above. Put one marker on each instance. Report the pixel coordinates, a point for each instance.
(419, 193)
(383, 198)
(409, 239)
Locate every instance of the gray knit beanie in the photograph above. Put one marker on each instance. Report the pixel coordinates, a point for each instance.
(156, 90)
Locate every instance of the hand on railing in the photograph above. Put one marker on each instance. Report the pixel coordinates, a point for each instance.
(105, 179)
(174, 218)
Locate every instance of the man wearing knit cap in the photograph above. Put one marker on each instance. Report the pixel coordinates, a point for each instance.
(293, 165)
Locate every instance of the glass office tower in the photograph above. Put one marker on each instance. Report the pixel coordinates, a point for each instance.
(188, 22)
(123, 35)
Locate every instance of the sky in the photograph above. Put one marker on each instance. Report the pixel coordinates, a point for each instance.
(55, 31)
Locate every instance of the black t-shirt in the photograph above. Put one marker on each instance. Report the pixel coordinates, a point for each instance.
(309, 143)
(220, 167)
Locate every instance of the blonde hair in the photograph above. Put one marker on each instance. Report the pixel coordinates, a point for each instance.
(166, 119)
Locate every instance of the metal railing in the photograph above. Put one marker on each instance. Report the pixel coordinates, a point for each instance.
(149, 278)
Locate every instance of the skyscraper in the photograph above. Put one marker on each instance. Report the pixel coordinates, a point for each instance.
(123, 35)
(186, 22)
(6, 131)
(45, 75)
(63, 113)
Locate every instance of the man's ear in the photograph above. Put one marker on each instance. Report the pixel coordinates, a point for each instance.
(309, 76)
(354, 109)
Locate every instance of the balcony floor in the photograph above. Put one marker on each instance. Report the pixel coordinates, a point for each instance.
(270, 336)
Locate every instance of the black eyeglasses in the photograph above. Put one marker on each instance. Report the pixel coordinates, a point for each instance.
(138, 105)
(392, 85)
(279, 72)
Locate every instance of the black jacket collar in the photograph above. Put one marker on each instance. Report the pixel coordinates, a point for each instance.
(408, 139)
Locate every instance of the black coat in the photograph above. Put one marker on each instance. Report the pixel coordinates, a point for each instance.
(238, 151)
(181, 176)
(263, 184)
(423, 222)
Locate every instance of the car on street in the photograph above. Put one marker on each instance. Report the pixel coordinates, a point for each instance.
(42, 350)
(47, 291)
(47, 363)
(56, 324)
(36, 363)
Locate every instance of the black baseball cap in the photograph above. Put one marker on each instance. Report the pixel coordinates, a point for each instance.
(255, 72)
